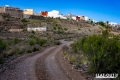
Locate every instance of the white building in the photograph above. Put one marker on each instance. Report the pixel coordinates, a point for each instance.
(95, 21)
(62, 17)
(53, 14)
(69, 16)
(37, 29)
(113, 24)
(28, 11)
(74, 17)
(86, 18)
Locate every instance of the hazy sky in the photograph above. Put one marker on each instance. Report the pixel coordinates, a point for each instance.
(100, 10)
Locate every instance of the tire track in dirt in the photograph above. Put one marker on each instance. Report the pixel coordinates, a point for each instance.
(52, 68)
(47, 68)
(23, 69)
(41, 68)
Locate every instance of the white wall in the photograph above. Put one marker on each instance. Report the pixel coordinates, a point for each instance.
(37, 29)
(53, 14)
(62, 17)
(86, 18)
(74, 17)
(113, 24)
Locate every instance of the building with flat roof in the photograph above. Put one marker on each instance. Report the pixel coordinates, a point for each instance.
(38, 29)
(82, 17)
(28, 11)
(44, 13)
(53, 13)
(14, 12)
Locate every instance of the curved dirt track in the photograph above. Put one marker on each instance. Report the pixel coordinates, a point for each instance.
(43, 65)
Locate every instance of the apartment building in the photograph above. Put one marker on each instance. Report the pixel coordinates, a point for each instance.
(14, 12)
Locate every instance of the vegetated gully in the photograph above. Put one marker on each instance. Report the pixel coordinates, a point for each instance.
(43, 65)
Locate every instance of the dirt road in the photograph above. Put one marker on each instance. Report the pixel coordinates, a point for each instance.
(47, 64)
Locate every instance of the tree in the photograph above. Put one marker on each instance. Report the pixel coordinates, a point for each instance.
(101, 23)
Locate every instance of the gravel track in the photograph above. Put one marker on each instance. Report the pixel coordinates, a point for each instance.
(42, 65)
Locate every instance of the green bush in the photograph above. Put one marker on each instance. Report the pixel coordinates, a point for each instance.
(10, 52)
(54, 28)
(60, 31)
(40, 41)
(101, 51)
(15, 40)
(57, 43)
(33, 32)
(35, 49)
(31, 36)
(24, 30)
(65, 29)
(31, 42)
(101, 23)
(17, 51)
(2, 45)
(24, 20)
(28, 51)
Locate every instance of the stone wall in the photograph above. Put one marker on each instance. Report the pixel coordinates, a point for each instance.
(14, 12)
(6, 25)
(1, 18)
(1, 9)
(17, 13)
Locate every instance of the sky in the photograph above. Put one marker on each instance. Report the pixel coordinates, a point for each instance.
(99, 10)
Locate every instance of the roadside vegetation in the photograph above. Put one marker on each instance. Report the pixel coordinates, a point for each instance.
(96, 53)
(15, 45)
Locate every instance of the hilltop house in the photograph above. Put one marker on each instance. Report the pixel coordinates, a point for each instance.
(77, 18)
(13, 11)
(82, 17)
(54, 14)
(113, 24)
(62, 16)
(74, 17)
(44, 13)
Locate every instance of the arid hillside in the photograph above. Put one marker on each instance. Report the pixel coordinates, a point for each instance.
(55, 26)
